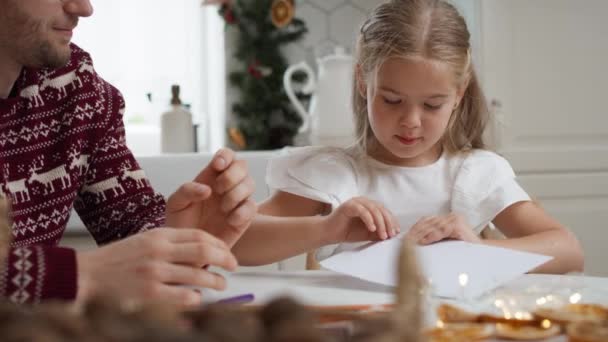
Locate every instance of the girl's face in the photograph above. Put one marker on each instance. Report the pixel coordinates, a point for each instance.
(409, 108)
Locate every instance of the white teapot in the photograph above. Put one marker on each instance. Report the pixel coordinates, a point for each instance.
(329, 119)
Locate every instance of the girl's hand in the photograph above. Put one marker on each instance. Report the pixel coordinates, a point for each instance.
(361, 219)
(431, 229)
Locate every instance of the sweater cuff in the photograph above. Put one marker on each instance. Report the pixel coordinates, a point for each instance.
(61, 281)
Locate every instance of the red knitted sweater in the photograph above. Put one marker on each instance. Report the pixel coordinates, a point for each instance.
(62, 145)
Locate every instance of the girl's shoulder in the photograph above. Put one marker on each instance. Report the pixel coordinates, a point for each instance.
(485, 184)
(480, 170)
(327, 174)
(479, 160)
(326, 151)
(313, 157)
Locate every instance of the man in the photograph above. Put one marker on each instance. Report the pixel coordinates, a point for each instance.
(62, 145)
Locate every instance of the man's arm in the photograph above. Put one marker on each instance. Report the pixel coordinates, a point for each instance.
(37, 273)
(117, 199)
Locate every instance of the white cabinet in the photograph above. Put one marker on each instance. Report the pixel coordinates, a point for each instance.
(545, 62)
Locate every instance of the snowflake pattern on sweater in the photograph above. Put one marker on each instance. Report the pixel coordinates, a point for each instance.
(62, 146)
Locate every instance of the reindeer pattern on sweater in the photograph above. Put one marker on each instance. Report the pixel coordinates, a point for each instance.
(62, 146)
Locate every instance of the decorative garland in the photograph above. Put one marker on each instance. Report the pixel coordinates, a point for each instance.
(265, 116)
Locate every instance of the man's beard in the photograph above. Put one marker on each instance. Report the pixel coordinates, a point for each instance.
(45, 56)
(30, 47)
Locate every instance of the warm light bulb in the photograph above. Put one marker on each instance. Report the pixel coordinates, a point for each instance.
(522, 315)
(463, 279)
(575, 298)
(546, 324)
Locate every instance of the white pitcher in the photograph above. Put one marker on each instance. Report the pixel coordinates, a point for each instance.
(329, 118)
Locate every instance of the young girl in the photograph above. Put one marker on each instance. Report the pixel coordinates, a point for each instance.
(420, 163)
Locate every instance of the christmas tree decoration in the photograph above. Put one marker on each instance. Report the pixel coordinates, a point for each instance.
(237, 138)
(264, 116)
(258, 71)
(282, 12)
(217, 2)
(228, 15)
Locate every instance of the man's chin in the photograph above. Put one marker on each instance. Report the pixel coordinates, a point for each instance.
(55, 56)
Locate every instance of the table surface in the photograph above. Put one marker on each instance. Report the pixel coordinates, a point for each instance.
(325, 288)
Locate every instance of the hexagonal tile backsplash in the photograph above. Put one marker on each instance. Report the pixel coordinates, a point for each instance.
(337, 22)
(330, 23)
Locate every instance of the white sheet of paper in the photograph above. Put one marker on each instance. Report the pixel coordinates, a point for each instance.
(443, 264)
(319, 288)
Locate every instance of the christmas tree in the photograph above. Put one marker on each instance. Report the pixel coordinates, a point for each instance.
(265, 116)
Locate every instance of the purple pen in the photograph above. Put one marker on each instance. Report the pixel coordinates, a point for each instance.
(240, 299)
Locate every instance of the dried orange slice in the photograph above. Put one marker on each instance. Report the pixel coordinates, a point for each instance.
(573, 313)
(526, 332)
(588, 332)
(460, 332)
(452, 314)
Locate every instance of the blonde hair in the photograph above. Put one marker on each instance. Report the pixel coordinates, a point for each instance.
(434, 30)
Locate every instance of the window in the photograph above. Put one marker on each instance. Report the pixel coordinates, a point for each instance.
(143, 47)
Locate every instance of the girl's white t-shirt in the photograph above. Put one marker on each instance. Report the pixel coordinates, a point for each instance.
(478, 184)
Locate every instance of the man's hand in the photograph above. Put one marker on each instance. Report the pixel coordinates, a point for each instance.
(150, 265)
(217, 200)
